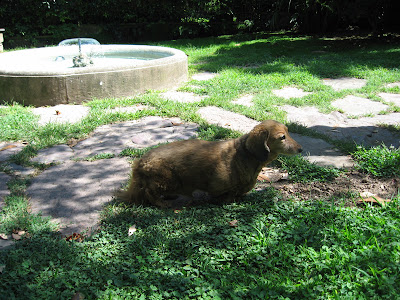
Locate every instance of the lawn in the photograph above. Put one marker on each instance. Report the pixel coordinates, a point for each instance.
(266, 246)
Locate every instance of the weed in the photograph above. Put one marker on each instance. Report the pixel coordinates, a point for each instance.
(301, 170)
(136, 153)
(379, 161)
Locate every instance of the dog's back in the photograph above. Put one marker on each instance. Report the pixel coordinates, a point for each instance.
(180, 168)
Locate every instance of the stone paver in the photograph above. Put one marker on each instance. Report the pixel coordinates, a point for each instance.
(18, 170)
(182, 97)
(336, 125)
(148, 131)
(59, 153)
(62, 113)
(345, 83)
(386, 119)
(290, 92)
(394, 98)
(322, 153)
(74, 193)
(152, 137)
(4, 192)
(245, 100)
(227, 119)
(310, 116)
(6, 244)
(8, 149)
(357, 106)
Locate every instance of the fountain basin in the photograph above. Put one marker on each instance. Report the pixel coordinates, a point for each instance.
(46, 76)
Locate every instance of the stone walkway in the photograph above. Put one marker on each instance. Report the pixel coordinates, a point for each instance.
(74, 191)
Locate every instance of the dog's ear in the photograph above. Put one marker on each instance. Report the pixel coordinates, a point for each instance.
(256, 143)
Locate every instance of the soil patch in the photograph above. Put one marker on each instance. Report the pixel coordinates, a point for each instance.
(348, 183)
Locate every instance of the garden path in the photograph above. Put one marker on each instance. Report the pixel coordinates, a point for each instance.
(73, 191)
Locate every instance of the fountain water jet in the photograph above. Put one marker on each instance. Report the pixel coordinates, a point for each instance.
(47, 76)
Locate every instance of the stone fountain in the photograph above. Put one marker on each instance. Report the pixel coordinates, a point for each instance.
(81, 69)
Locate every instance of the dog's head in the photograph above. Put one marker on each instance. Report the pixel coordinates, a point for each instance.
(269, 139)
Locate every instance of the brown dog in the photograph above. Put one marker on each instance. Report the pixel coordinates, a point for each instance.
(223, 169)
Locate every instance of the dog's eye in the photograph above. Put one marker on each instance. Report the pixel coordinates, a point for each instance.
(283, 137)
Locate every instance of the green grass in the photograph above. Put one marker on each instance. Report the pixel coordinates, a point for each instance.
(301, 170)
(379, 161)
(278, 250)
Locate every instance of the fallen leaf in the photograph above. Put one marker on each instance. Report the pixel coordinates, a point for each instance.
(8, 147)
(177, 211)
(75, 237)
(233, 223)
(373, 200)
(132, 230)
(176, 123)
(58, 112)
(366, 194)
(272, 175)
(262, 177)
(3, 236)
(16, 236)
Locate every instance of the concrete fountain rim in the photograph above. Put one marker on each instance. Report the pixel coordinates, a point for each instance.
(10, 67)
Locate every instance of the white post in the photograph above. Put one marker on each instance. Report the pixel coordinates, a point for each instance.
(1, 39)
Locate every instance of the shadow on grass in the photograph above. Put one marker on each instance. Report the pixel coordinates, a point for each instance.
(321, 57)
(277, 249)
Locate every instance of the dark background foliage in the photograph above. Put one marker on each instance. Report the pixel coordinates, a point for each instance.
(50, 21)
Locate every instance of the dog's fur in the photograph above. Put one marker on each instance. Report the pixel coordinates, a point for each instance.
(223, 169)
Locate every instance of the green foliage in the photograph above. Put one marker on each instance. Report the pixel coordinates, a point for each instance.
(214, 133)
(136, 153)
(379, 161)
(278, 250)
(301, 170)
(192, 18)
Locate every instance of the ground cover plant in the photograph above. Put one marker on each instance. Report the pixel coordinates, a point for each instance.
(270, 245)
(380, 161)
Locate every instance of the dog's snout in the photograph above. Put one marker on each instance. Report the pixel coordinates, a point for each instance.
(300, 150)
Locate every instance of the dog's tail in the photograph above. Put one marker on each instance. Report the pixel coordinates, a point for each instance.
(135, 192)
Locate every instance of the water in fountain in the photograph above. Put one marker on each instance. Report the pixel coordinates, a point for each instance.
(83, 41)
